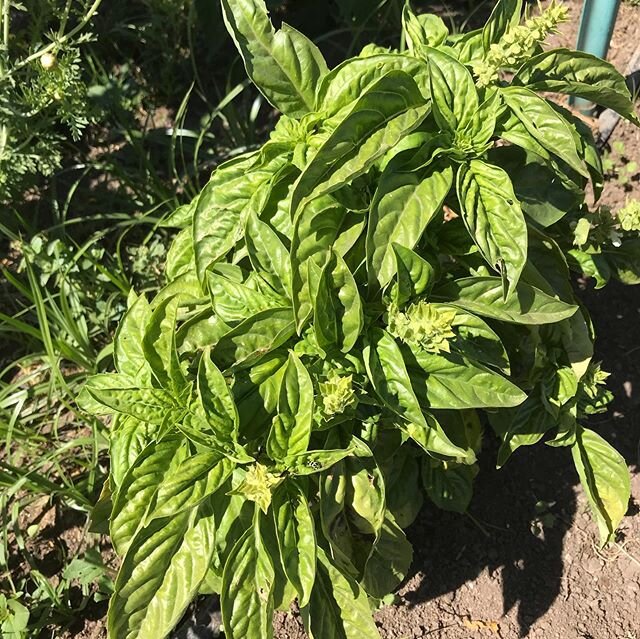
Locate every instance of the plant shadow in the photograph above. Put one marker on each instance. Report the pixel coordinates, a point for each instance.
(520, 514)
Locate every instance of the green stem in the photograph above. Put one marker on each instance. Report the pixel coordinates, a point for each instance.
(5, 17)
(58, 42)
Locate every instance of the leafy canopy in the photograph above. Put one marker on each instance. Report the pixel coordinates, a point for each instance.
(348, 308)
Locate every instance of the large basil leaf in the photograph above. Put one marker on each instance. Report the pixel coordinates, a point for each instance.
(476, 340)
(246, 599)
(452, 381)
(414, 275)
(316, 229)
(346, 83)
(235, 301)
(295, 531)
(390, 109)
(191, 482)
(128, 353)
(285, 65)
(539, 128)
(524, 425)
(578, 73)
(338, 315)
(107, 393)
(236, 187)
(134, 498)
(453, 92)
(159, 346)
(391, 381)
(291, 429)
(216, 400)
(402, 207)
(338, 607)
(180, 256)
(544, 197)
(483, 296)
(605, 478)
(252, 339)
(268, 254)
(494, 218)
(422, 30)
(505, 14)
(449, 485)
(389, 560)
(160, 575)
(128, 438)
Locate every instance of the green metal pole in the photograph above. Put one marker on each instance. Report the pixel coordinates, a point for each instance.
(594, 36)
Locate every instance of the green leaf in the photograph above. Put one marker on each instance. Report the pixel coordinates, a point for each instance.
(316, 229)
(476, 340)
(235, 301)
(539, 128)
(268, 254)
(493, 216)
(159, 346)
(605, 478)
(348, 81)
(483, 296)
(119, 395)
(390, 109)
(236, 187)
(285, 65)
(316, 461)
(134, 498)
(505, 14)
(338, 317)
(452, 381)
(160, 575)
(216, 400)
(402, 207)
(190, 483)
(338, 607)
(291, 428)
(254, 338)
(544, 196)
(422, 30)
(246, 599)
(415, 276)
(391, 381)
(389, 560)
(128, 352)
(578, 73)
(524, 425)
(217, 219)
(365, 492)
(295, 531)
(127, 440)
(180, 256)
(449, 486)
(453, 92)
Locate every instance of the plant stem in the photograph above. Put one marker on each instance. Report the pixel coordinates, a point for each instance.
(59, 42)
(5, 18)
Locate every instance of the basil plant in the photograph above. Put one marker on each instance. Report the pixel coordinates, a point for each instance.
(349, 310)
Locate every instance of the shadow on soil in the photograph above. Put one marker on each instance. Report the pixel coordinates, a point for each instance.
(504, 533)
